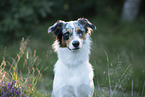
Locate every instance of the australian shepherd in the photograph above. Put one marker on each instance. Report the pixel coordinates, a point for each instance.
(73, 72)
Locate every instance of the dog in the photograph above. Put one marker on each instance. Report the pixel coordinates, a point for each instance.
(73, 72)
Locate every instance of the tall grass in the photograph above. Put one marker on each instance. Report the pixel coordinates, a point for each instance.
(117, 77)
(23, 69)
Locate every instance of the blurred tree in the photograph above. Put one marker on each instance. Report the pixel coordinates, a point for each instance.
(130, 10)
(72, 9)
(18, 16)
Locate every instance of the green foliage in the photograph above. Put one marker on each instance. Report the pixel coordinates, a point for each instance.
(109, 7)
(77, 8)
(18, 16)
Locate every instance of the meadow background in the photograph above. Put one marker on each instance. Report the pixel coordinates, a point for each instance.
(27, 57)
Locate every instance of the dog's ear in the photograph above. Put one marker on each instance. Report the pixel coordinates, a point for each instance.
(56, 28)
(86, 23)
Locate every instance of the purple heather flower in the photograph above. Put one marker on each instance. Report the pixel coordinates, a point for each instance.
(9, 86)
(13, 83)
(10, 90)
(24, 96)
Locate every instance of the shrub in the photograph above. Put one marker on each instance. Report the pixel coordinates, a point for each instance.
(17, 17)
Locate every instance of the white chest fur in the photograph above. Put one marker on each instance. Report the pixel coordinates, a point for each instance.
(72, 76)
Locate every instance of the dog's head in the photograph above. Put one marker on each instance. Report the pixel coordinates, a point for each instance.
(71, 34)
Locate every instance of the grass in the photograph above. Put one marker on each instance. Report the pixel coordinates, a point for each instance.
(117, 58)
(23, 69)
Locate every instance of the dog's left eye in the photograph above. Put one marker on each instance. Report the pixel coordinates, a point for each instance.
(66, 36)
(80, 33)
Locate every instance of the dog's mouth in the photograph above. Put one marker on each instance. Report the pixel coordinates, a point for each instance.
(74, 49)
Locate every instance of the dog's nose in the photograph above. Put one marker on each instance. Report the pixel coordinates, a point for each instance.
(75, 43)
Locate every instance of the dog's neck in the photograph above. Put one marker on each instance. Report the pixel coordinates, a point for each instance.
(73, 58)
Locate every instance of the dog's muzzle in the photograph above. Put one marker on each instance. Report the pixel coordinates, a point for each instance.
(76, 45)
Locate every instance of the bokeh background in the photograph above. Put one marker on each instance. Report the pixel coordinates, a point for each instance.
(118, 49)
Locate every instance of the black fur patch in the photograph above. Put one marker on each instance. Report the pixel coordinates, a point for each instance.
(57, 29)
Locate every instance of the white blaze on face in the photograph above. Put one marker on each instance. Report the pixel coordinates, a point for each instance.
(76, 40)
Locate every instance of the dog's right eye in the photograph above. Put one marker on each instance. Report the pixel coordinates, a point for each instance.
(66, 36)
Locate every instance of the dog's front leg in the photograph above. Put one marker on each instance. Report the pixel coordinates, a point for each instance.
(85, 90)
(65, 91)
